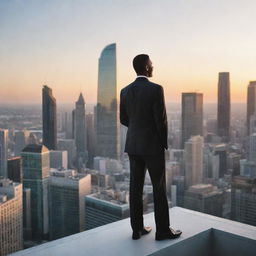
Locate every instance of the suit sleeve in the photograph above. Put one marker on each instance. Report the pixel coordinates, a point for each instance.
(159, 112)
(124, 119)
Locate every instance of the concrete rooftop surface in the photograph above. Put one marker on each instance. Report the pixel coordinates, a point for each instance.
(203, 235)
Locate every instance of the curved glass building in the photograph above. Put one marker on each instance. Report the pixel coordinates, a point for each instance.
(106, 109)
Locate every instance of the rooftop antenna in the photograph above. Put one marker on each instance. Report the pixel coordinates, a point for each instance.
(45, 80)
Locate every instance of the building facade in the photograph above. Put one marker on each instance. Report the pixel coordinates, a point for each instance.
(193, 161)
(243, 199)
(67, 190)
(59, 159)
(20, 140)
(11, 232)
(69, 146)
(14, 167)
(204, 198)
(3, 152)
(251, 103)
(103, 208)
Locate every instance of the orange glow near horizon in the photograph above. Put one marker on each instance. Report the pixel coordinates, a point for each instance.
(189, 43)
(68, 91)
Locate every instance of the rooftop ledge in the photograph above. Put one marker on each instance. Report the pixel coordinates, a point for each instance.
(203, 234)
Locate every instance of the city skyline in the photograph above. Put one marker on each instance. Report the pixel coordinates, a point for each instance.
(189, 44)
(63, 165)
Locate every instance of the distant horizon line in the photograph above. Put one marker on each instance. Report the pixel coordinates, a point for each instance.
(94, 103)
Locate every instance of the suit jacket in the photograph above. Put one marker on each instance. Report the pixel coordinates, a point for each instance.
(142, 110)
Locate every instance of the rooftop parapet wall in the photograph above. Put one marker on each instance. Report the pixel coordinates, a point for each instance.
(203, 234)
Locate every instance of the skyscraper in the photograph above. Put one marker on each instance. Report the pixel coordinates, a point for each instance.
(36, 165)
(251, 103)
(193, 161)
(3, 152)
(49, 119)
(192, 115)
(106, 119)
(81, 133)
(223, 115)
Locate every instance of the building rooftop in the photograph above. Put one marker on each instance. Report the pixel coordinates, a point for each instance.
(80, 99)
(203, 234)
(202, 186)
(8, 189)
(35, 148)
(14, 158)
(110, 47)
(111, 196)
(204, 189)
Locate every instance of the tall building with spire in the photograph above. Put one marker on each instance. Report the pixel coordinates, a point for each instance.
(80, 133)
(192, 115)
(49, 118)
(251, 103)
(223, 115)
(106, 109)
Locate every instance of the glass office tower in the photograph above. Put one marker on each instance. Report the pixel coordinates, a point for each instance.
(106, 109)
(36, 166)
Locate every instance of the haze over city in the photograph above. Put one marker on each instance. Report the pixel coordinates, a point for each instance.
(58, 43)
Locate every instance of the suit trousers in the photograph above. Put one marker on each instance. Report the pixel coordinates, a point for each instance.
(156, 168)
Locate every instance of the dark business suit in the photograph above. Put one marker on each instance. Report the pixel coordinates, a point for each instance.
(142, 110)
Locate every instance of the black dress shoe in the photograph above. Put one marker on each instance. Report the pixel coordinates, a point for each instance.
(171, 234)
(137, 234)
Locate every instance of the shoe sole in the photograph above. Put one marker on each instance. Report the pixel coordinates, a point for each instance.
(164, 238)
(142, 234)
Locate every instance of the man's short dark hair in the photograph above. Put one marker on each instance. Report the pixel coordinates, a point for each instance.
(140, 62)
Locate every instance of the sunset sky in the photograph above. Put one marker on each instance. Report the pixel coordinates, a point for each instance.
(58, 43)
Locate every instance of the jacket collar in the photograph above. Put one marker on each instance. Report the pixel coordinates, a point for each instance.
(141, 78)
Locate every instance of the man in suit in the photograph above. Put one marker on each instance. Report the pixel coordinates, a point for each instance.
(142, 110)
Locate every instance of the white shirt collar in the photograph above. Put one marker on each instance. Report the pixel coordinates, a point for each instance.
(142, 76)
